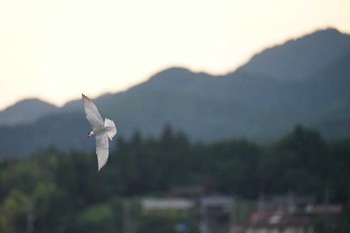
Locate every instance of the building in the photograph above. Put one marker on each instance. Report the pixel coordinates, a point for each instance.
(159, 204)
(291, 214)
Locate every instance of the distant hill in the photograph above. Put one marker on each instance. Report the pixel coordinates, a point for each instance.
(304, 81)
(26, 111)
(301, 58)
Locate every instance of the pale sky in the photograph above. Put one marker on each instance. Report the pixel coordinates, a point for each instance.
(56, 49)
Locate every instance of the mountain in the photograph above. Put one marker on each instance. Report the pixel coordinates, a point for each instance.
(257, 102)
(331, 99)
(26, 111)
(300, 58)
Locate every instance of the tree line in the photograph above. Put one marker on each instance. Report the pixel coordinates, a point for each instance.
(55, 191)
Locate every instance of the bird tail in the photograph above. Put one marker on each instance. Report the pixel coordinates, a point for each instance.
(111, 130)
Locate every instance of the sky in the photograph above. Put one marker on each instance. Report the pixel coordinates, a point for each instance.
(55, 50)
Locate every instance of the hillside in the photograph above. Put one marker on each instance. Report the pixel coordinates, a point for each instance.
(26, 111)
(260, 101)
(300, 58)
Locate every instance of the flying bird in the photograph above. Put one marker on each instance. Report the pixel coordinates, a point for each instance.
(102, 130)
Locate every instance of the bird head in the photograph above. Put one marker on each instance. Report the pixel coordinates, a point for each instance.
(89, 134)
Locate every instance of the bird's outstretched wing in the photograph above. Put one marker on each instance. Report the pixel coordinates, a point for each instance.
(102, 149)
(92, 114)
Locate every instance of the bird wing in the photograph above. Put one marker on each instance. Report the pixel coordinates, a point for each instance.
(92, 114)
(102, 149)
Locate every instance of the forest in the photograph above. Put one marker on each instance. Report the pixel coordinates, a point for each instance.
(55, 191)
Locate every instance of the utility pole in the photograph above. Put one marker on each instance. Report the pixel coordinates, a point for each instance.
(261, 209)
(232, 216)
(30, 217)
(326, 209)
(203, 218)
(127, 228)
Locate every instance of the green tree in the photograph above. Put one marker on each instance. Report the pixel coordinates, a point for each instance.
(298, 162)
(14, 213)
(339, 163)
(96, 218)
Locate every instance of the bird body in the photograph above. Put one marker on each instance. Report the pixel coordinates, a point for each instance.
(102, 130)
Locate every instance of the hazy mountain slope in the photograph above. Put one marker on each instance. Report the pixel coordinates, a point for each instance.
(64, 131)
(240, 104)
(331, 98)
(300, 58)
(26, 111)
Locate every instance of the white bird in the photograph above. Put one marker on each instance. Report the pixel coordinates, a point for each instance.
(101, 130)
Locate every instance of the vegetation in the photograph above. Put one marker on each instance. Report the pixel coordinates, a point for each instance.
(55, 191)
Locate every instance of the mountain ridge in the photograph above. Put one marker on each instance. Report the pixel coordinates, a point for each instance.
(283, 66)
(240, 104)
(26, 111)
